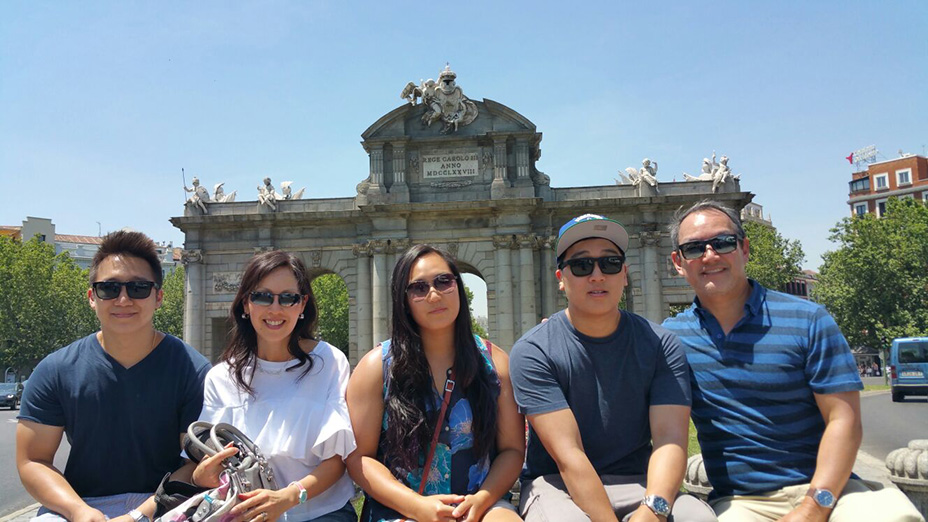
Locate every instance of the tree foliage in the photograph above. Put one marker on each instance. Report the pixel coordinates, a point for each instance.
(170, 317)
(475, 326)
(774, 260)
(876, 283)
(43, 302)
(331, 295)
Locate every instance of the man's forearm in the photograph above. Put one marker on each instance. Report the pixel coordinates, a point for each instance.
(48, 486)
(665, 471)
(586, 488)
(836, 455)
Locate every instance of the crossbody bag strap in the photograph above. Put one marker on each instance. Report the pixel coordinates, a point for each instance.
(445, 400)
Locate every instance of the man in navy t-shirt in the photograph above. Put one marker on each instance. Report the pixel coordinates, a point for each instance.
(607, 396)
(775, 389)
(124, 396)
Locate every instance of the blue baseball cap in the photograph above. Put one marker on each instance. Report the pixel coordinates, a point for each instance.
(590, 226)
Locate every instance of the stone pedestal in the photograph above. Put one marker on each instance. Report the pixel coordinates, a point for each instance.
(908, 469)
(696, 481)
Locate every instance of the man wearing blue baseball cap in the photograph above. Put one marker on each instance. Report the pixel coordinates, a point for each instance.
(607, 395)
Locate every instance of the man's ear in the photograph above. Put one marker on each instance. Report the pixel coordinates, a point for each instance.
(677, 262)
(90, 296)
(159, 298)
(560, 281)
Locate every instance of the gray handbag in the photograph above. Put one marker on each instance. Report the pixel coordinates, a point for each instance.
(248, 469)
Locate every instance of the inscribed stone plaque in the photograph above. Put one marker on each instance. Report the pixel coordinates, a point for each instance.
(450, 164)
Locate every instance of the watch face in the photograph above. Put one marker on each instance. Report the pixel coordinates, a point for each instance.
(658, 505)
(824, 498)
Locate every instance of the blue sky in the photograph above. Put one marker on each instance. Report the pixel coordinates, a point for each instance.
(103, 103)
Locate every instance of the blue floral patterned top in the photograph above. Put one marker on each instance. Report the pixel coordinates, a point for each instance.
(455, 468)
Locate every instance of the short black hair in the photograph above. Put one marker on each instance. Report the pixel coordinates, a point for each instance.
(702, 206)
(128, 243)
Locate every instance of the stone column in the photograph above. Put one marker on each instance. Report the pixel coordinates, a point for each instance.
(363, 317)
(548, 279)
(499, 159)
(650, 275)
(529, 317)
(399, 164)
(377, 170)
(379, 291)
(522, 163)
(504, 315)
(194, 300)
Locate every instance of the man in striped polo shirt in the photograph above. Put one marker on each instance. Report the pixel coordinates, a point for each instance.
(775, 388)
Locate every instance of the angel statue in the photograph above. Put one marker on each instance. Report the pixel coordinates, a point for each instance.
(219, 196)
(444, 100)
(200, 196)
(646, 174)
(287, 191)
(717, 173)
(267, 195)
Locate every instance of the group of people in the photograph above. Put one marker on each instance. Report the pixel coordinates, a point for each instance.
(431, 423)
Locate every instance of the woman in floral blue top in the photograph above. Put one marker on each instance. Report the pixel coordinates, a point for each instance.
(395, 396)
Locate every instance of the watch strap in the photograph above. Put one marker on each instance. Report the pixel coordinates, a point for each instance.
(303, 494)
(657, 504)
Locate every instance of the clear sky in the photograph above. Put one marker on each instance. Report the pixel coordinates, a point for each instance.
(103, 103)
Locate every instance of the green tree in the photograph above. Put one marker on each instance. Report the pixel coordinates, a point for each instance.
(331, 295)
(170, 317)
(43, 301)
(875, 284)
(477, 327)
(774, 259)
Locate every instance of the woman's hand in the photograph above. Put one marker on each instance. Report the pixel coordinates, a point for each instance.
(473, 507)
(206, 474)
(263, 505)
(436, 508)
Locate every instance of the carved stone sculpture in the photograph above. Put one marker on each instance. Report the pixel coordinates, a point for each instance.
(287, 193)
(219, 196)
(717, 173)
(444, 100)
(646, 174)
(200, 196)
(267, 195)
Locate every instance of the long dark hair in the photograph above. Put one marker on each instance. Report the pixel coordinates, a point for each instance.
(410, 425)
(241, 351)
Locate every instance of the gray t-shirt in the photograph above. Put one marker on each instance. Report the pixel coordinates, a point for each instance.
(608, 384)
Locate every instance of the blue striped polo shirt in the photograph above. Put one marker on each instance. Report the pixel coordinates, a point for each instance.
(753, 405)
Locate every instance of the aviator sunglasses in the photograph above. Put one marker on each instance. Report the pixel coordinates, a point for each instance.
(267, 298)
(443, 284)
(721, 244)
(107, 290)
(583, 266)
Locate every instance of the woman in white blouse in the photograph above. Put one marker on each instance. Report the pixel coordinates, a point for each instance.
(286, 392)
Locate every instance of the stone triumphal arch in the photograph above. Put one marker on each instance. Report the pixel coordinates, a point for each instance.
(450, 171)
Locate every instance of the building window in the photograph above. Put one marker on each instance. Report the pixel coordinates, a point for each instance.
(881, 181)
(862, 184)
(903, 177)
(860, 209)
(881, 207)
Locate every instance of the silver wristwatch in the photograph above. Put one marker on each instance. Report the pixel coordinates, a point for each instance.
(658, 505)
(823, 497)
(138, 516)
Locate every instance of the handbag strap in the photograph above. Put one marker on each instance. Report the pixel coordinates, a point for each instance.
(445, 400)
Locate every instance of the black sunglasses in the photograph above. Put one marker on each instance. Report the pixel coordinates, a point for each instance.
(442, 283)
(721, 244)
(107, 290)
(583, 266)
(267, 298)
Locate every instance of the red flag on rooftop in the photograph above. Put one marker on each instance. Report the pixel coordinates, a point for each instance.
(850, 159)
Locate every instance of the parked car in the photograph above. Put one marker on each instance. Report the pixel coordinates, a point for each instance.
(908, 366)
(10, 394)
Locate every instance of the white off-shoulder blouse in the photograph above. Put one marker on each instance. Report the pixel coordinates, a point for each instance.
(296, 422)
